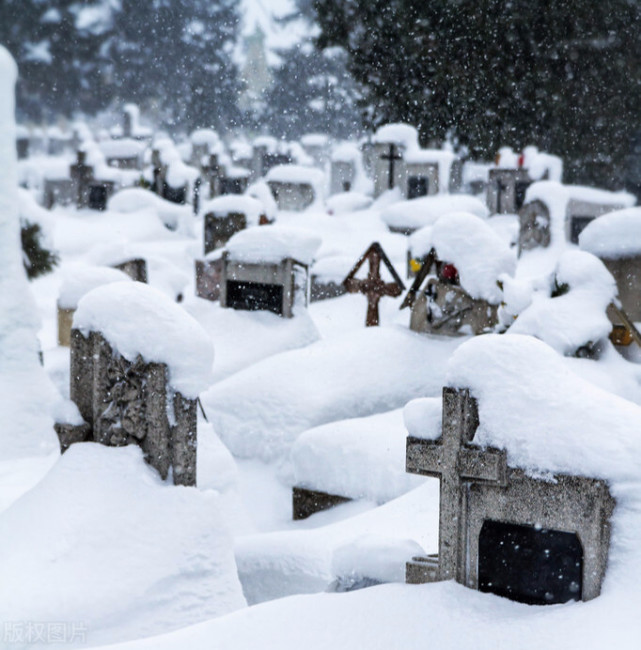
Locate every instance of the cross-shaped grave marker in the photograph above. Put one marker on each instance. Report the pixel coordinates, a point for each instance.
(373, 286)
(392, 156)
(456, 463)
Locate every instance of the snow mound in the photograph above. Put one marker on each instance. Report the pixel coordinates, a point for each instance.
(137, 319)
(614, 235)
(259, 412)
(397, 133)
(417, 213)
(569, 321)
(359, 458)
(273, 244)
(565, 426)
(296, 174)
(79, 279)
(103, 541)
(478, 253)
(348, 202)
(135, 199)
(222, 206)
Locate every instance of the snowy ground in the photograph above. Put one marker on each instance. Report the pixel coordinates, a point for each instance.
(95, 542)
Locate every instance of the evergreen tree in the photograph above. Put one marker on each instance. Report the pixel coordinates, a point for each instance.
(176, 55)
(312, 92)
(57, 45)
(564, 76)
(37, 259)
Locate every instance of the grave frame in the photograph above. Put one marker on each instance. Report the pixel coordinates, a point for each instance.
(290, 275)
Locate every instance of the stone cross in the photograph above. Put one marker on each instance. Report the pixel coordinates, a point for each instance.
(392, 156)
(373, 286)
(456, 463)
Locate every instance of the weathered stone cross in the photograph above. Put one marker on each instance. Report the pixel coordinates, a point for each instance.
(392, 156)
(455, 463)
(373, 286)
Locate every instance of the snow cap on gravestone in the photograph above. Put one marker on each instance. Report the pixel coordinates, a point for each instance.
(137, 319)
(273, 244)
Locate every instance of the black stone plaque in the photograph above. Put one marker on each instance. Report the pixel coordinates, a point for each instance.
(531, 565)
(255, 296)
(417, 186)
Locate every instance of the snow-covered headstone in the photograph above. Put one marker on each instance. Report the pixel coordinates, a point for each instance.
(455, 292)
(138, 362)
(519, 515)
(506, 190)
(224, 216)
(267, 269)
(554, 213)
(616, 239)
(295, 187)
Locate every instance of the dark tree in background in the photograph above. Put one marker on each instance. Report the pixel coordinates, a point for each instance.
(58, 49)
(77, 56)
(562, 75)
(311, 92)
(177, 55)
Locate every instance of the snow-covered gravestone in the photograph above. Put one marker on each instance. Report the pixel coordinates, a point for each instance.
(506, 190)
(554, 213)
(88, 191)
(267, 269)
(224, 216)
(343, 167)
(525, 504)
(616, 239)
(456, 291)
(138, 362)
(295, 187)
(390, 143)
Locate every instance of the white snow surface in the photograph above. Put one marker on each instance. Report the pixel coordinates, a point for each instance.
(615, 235)
(578, 317)
(102, 541)
(359, 458)
(222, 206)
(259, 412)
(137, 319)
(273, 243)
(397, 133)
(477, 252)
(296, 174)
(564, 426)
(424, 211)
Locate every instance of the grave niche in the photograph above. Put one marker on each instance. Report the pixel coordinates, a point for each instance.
(500, 530)
(530, 564)
(126, 402)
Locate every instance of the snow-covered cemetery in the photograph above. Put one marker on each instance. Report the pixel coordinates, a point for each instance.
(333, 392)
